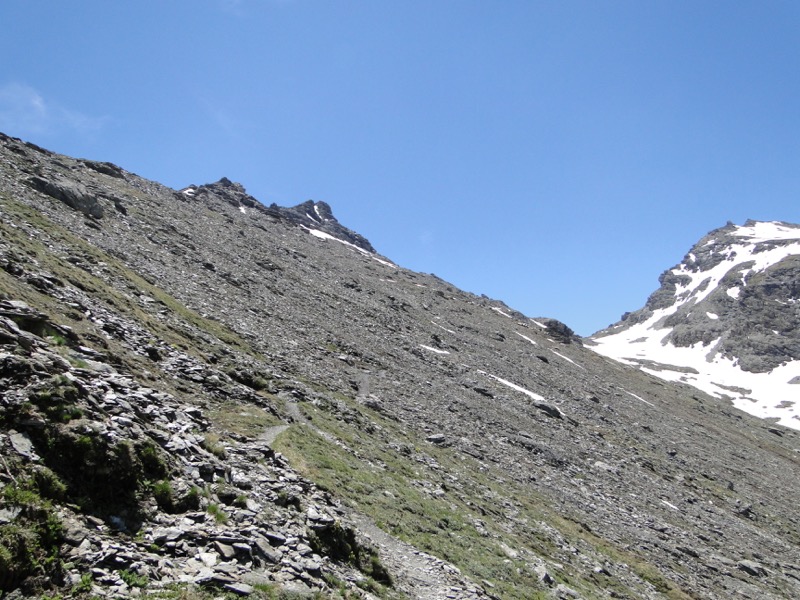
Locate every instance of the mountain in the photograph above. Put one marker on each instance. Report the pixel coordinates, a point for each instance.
(204, 395)
(725, 320)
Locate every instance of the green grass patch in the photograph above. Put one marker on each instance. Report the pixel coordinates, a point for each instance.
(133, 579)
(242, 419)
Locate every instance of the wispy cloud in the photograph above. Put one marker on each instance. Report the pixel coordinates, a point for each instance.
(426, 238)
(24, 111)
(224, 120)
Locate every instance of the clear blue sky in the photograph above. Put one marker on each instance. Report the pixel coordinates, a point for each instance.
(555, 155)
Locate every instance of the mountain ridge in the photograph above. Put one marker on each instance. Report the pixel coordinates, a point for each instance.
(310, 214)
(287, 413)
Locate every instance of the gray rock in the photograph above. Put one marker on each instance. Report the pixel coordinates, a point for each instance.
(436, 438)
(209, 559)
(8, 515)
(241, 589)
(275, 538)
(225, 551)
(266, 550)
(169, 534)
(563, 592)
(71, 193)
(23, 446)
(543, 576)
(752, 568)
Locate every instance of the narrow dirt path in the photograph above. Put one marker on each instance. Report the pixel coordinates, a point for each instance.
(270, 433)
(417, 574)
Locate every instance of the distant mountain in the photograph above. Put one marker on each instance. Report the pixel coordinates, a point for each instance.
(725, 320)
(202, 395)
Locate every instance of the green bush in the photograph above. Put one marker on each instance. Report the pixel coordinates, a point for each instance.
(48, 484)
(191, 501)
(340, 544)
(84, 586)
(162, 492)
(29, 545)
(154, 465)
(211, 442)
(133, 579)
(56, 397)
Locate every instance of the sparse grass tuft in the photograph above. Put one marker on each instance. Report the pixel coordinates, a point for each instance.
(211, 442)
(215, 511)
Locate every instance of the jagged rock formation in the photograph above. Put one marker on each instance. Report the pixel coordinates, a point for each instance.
(315, 217)
(281, 406)
(726, 320)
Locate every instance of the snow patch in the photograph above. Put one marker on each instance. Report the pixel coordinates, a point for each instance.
(766, 231)
(639, 398)
(755, 393)
(436, 350)
(542, 325)
(500, 310)
(444, 328)
(566, 358)
(737, 254)
(670, 505)
(380, 260)
(764, 395)
(525, 337)
(242, 210)
(514, 386)
(327, 236)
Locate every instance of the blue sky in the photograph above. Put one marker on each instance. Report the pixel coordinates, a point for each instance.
(555, 155)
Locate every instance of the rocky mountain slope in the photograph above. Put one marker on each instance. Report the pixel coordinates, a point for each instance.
(725, 320)
(202, 394)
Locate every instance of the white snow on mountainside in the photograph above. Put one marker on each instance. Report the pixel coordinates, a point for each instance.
(727, 294)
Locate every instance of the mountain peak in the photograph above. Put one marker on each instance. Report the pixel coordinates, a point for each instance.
(311, 215)
(731, 311)
(318, 216)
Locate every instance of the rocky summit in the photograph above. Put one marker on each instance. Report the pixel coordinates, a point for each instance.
(205, 397)
(725, 320)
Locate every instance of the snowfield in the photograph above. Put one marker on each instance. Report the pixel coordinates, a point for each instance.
(771, 395)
